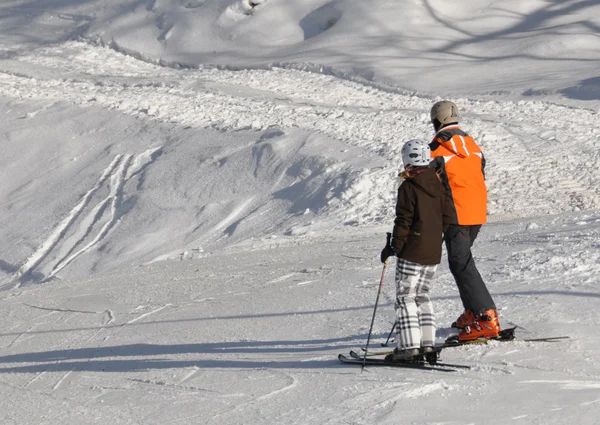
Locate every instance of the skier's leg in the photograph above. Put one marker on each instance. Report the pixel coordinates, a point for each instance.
(473, 292)
(473, 232)
(425, 306)
(452, 239)
(407, 278)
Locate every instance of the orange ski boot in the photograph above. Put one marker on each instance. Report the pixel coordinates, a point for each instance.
(485, 326)
(465, 319)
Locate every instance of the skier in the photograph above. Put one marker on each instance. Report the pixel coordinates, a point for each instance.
(461, 164)
(423, 211)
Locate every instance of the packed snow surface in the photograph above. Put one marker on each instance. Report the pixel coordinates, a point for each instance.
(194, 194)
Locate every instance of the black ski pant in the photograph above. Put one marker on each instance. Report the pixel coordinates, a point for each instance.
(473, 292)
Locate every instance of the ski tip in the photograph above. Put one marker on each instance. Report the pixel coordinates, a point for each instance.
(548, 339)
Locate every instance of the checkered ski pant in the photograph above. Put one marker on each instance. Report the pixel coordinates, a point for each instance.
(414, 310)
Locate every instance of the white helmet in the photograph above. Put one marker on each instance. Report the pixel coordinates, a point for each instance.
(416, 153)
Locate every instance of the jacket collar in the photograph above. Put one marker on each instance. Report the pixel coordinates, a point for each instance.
(448, 127)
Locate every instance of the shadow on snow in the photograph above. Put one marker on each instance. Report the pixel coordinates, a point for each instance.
(109, 359)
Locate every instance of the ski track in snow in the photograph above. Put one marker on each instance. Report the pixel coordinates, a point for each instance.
(61, 380)
(38, 256)
(117, 174)
(568, 385)
(143, 316)
(117, 182)
(292, 383)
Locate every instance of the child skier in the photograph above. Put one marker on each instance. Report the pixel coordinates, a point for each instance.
(423, 212)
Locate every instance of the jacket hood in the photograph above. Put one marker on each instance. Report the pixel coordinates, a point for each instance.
(427, 180)
(444, 138)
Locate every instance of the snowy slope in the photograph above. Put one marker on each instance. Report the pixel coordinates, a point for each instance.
(250, 335)
(536, 48)
(194, 194)
(319, 144)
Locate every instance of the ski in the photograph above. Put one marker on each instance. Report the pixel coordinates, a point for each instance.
(545, 339)
(449, 343)
(505, 335)
(357, 356)
(383, 362)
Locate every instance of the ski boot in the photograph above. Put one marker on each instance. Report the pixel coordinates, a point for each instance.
(430, 354)
(485, 326)
(465, 319)
(406, 355)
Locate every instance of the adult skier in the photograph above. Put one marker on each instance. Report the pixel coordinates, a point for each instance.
(461, 165)
(423, 211)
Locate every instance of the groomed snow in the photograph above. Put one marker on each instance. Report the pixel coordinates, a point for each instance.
(194, 194)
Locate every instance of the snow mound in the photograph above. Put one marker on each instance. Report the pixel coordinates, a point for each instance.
(588, 89)
(320, 20)
(142, 198)
(193, 4)
(277, 23)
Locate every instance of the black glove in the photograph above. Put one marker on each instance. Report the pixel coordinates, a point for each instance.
(389, 250)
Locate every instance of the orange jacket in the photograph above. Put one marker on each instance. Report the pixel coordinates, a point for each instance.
(462, 164)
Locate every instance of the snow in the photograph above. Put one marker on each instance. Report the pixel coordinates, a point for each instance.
(194, 194)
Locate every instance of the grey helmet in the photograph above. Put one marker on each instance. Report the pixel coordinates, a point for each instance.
(443, 113)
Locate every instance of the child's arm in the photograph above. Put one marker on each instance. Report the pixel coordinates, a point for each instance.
(448, 213)
(405, 207)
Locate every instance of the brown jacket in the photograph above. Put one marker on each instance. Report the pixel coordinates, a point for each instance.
(423, 212)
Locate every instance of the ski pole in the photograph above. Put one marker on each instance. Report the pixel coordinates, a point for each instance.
(389, 237)
(390, 335)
